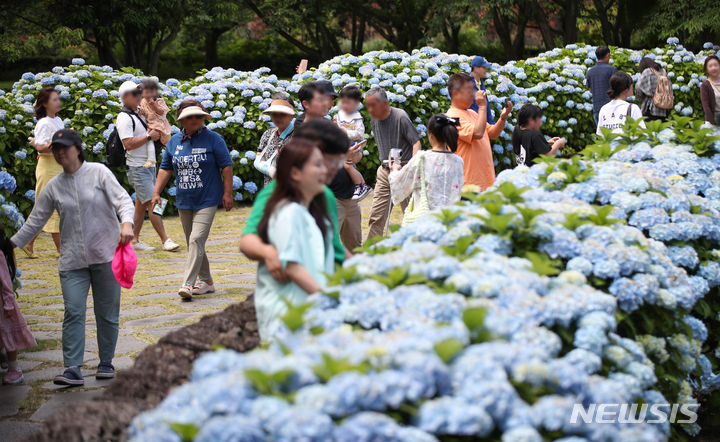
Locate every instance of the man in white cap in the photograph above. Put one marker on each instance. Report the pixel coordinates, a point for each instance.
(133, 131)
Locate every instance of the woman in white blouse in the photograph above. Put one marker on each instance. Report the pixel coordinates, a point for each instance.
(90, 201)
(434, 178)
(47, 107)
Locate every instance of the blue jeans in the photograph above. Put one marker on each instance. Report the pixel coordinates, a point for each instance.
(75, 285)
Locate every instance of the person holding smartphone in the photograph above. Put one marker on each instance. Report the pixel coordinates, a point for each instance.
(528, 142)
(474, 133)
(392, 129)
(350, 120)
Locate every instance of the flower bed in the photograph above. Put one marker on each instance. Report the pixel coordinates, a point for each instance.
(416, 83)
(589, 280)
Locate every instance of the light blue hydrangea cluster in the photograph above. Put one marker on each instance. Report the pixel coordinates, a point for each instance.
(391, 338)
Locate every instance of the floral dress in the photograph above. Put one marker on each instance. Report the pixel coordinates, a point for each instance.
(443, 179)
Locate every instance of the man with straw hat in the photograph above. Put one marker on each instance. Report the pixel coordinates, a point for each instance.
(282, 115)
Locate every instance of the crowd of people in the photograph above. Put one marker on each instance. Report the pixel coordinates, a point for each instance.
(307, 217)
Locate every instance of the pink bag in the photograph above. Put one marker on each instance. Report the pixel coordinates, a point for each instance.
(124, 264)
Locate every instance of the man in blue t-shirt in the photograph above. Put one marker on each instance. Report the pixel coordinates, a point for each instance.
(598, 80)
(478, 69)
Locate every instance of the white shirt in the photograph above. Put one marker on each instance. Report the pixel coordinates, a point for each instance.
(124, 125)
(45, 128)
(89, 203)
(352, 124)
(612, 116)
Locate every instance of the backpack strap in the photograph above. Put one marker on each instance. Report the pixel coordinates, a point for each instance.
(629, 110)
(132, 114)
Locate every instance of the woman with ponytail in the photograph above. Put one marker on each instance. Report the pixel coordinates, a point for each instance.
(434, 178)
(295, 222)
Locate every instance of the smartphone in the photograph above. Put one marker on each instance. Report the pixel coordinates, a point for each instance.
(159, 209)
(395, 155)
(360, 144)
(303, 65)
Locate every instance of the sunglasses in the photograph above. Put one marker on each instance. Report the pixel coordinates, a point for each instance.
(136, 92)
(194, 117)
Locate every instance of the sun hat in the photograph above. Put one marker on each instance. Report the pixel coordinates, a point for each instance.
(124, 265)
(128, 86)
(281, 107)
(479, 62)
(66, 137)
(192, 110)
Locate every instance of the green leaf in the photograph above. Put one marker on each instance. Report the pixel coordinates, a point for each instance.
(542, 264)
(293, 318)
(187, 432)
(448, 348)
(331, 367)
(474, 317)
(499, 223)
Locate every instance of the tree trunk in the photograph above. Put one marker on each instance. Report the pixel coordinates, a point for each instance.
(605, 25)
(519, 43)
(570, 29)
(502, 27)
(542, 21)
(360, 36)
(212, 36)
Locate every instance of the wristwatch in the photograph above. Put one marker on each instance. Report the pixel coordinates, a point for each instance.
(149, 138)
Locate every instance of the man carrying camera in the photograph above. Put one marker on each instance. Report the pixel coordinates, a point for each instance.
(394, 132)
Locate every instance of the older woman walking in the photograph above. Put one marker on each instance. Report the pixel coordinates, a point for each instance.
(89, 200)
(203, 177)
(282, 114)
(47, 107)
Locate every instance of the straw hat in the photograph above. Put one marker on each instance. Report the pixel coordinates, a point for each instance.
(281, 107)
(192, 110)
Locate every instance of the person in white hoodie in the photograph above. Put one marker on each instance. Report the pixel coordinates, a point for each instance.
(350, 120)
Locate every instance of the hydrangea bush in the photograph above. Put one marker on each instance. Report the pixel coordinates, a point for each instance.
(416, 82)
(592, 279)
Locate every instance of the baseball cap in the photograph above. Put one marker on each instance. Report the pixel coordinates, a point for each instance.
(66, 137)
(128, 86)
(479, 62)
(327, 88)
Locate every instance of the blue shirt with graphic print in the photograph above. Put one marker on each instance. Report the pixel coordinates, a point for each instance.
(197, 161)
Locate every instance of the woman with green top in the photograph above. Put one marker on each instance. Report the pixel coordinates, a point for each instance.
(296, 223)
(333, 144)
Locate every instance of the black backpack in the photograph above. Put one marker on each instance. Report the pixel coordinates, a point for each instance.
(114, 148)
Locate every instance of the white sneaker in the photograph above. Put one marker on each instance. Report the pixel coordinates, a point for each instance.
(202, 288)
(142, 247)
(170, 245)
(185, 292)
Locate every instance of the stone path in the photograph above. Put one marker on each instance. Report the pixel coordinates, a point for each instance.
(148, 311)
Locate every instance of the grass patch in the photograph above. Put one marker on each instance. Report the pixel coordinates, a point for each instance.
(47, 344)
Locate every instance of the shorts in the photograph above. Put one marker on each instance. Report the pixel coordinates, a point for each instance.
(143, 181)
